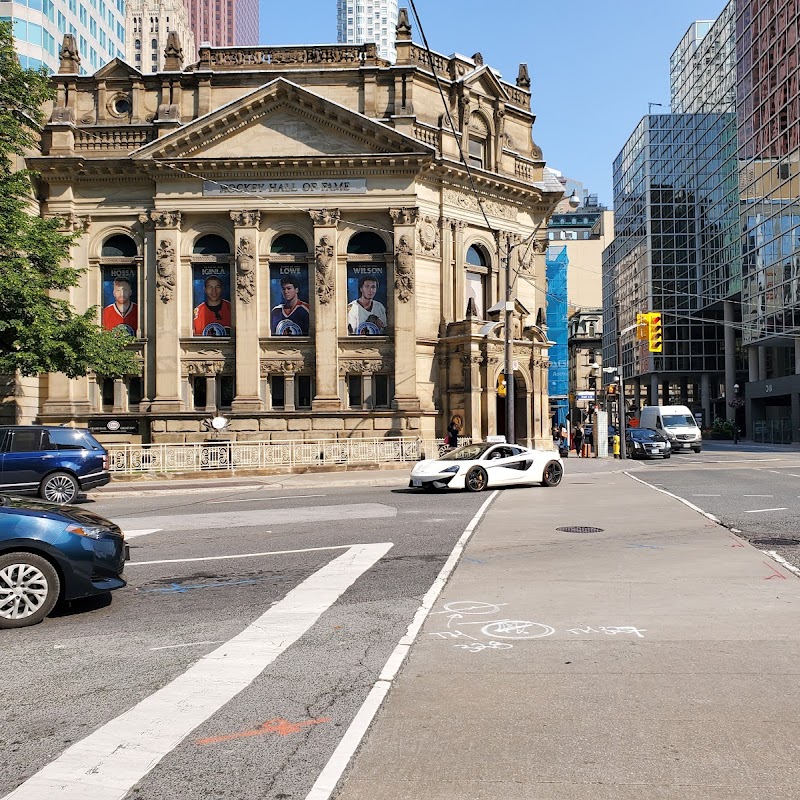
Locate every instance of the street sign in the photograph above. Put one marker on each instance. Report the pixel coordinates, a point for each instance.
(590, 396)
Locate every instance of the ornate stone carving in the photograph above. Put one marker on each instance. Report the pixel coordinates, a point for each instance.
(404, 269)
(428, 237)
(356, 366)
(72, 223)
(69, 56)
(246, 219)
(325, 216)
(325, 254)
(245, 270)
(472, 360)
(281, 367)
(165, 270)
(207, 368)
(404, 216)
(63, 115)
(523, 78)
(166, 219)
(173, 53)
(453, 197)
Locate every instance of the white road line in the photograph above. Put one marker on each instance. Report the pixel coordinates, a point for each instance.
(256, 499)
(142, 532)
(782, 561)
(242, 555)
(677, 497)
(762, 510)
(758, 495)
(176, 646)
(705, 495)
(331, 775)
(108, 762)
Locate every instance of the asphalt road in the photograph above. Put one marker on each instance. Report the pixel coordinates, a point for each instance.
(345, 570)
(754, 491)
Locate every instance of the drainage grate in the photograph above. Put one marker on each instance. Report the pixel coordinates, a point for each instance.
(582, 529)
(775, 542)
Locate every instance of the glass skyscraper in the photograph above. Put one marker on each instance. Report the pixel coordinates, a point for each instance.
(365, 21)
(40, 25)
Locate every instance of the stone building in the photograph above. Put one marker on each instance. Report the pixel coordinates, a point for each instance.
(292, 239)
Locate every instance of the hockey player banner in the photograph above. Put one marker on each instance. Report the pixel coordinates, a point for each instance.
(366, 300)
(290, 313)
(211, 298)
(120, 306)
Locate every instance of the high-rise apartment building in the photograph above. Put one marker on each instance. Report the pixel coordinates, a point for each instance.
(147, 23)
(370, 21)
(224, 23)
(40, 25)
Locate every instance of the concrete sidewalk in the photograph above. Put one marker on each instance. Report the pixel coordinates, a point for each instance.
(657, 657)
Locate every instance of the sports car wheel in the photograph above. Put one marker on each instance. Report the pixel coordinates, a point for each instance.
(29, 588)
(477, 479)
(553, 472)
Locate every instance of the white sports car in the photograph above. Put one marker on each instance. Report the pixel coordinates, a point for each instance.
(485, 465)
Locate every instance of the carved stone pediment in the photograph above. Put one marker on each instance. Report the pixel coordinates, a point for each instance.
(281, 119)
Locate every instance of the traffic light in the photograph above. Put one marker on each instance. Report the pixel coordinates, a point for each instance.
(656, 337)
(611, 389)
(501, 385)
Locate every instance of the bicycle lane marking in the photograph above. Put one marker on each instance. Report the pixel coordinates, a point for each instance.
(108, 762)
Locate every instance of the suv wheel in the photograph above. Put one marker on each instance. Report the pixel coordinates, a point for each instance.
(29, 588)
(59, 487)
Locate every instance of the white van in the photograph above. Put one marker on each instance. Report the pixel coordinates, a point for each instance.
(676, 423)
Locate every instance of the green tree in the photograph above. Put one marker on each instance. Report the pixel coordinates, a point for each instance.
(40, 332)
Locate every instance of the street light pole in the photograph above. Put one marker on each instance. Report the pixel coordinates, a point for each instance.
(508, 342)
(621, 421)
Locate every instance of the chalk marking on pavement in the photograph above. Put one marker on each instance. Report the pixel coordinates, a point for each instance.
(256, 499)
(108, 762)
(241, 555)
(142, 532)
(278, 725)
(782, 561)
(332, 772)
(676, 497)
(762, 510)
(176, 646)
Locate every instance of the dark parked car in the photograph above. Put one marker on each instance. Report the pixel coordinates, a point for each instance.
(51, 553)
(646, 443)
(54, 462)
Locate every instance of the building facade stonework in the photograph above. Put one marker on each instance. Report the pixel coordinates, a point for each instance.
(291, 239)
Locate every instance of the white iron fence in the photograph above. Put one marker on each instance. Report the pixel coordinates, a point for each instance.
(130, 459)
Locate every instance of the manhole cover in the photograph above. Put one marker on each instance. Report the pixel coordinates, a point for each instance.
(581, 529)
(775, 542)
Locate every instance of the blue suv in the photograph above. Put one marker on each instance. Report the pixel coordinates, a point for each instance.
(54, 462)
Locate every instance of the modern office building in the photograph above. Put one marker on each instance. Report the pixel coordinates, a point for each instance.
(147, 25)
(768, 113)
(677, 236)
(224, 23)
(368, 21)
(39, 27)
(337, 278)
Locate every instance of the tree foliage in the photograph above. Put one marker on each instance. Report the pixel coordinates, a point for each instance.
(39, 329)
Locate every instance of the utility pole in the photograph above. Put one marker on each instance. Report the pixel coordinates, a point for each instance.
(621, 421)
(509, 346)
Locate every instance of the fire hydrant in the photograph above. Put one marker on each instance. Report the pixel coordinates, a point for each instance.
(615, 444)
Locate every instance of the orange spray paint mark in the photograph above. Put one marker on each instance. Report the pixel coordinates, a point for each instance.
(280, 726)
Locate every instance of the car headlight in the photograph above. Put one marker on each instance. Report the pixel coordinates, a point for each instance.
(90, 531)
(453, 469)
(638, 444)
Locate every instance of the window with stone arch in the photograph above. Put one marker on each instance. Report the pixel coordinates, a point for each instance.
(290, 293)
(478, 148)
(367, 286)
(476, 273)
(120, 284)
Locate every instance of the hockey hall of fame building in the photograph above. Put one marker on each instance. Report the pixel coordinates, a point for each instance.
(290, 236)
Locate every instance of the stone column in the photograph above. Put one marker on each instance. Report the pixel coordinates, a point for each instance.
(406, 397)
(459, 282)
(448, 277)
(326, 323)
(473, 390)
(166, 299)
(730, 357)
(246, 306)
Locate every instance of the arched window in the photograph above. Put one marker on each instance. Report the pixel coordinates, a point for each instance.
(154, 44)
(119, 246)
(288, 244)
(211, 245)
(478, 142)
(138, 44)
(367, 243)
(476, 274)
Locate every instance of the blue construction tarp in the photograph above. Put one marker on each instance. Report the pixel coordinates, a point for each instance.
(558, 332)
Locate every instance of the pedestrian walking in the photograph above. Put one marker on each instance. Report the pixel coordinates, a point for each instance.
(577, 440)
(452, 434)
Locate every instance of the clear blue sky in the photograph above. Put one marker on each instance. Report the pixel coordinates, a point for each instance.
(594, 64)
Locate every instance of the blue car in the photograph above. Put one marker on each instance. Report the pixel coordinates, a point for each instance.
(54, 462)
(51, 553)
